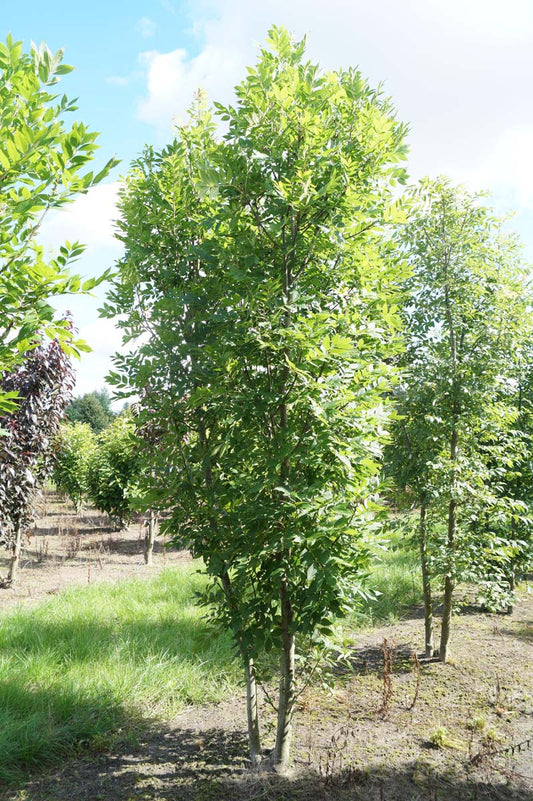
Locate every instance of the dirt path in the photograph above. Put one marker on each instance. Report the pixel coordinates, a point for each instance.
(440, 733)
(64, 549)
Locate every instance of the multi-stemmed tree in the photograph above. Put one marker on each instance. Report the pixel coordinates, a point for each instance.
(254, 273)
(466, 316)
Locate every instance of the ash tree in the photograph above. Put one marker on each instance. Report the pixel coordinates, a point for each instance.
(42, 167)
(255, 272)
(456, 447)
(73, 447)
(113, 467)
(43, 386)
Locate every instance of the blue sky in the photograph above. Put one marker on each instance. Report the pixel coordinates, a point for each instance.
(459, 71)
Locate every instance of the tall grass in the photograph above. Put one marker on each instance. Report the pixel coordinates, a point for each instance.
(100, 660)
(395, 577)
(397, 585)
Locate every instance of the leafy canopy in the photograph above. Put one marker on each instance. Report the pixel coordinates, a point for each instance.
(42, 167)
(254, 272)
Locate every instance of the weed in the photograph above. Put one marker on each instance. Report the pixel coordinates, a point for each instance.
(438, 737)
(388, 652)
(416, 667)
(332, 766)
(441, 738)
(492, 736)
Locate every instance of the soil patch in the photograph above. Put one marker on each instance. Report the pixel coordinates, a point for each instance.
(65, 549)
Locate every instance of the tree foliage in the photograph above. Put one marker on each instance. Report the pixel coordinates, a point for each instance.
(467, 318)
(93, 408)
(112, 468)
(73, 448)
(43, 384)
(42, 167)
(254, 265)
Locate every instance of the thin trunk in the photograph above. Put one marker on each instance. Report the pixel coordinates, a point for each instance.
(444, 650)
(286, 685)
(254, 735)
(426, 583)
(511, 578)
(252, 707)
(449, 582)
(15, 555)
(149, 537)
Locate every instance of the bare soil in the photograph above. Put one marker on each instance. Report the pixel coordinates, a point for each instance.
(64, 549)
(425, 732)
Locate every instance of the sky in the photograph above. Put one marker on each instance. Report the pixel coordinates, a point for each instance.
(459, 72)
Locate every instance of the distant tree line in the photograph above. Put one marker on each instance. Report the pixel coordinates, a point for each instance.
(93, 408)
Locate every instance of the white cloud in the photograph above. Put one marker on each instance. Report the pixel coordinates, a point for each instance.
(174, 78)
(146, 27)
(90, 219)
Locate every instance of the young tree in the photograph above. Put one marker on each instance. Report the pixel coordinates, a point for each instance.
(409, 457)
(466, 316)
(74, 446)
(113, 466)
(42, 165)
(254, 265)
(43, 384)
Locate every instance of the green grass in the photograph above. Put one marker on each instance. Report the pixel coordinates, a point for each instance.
(93, 662)
(396, 579)
(99, 662)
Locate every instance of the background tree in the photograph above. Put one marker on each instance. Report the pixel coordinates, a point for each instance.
(43, 384)
(254, 265)
(466, 316)
(113, 467)
(42, 167)
(93, 408)
(409, 457)
(74, 446)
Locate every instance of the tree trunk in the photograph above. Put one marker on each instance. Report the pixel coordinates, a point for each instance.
(449, 584)
(511, 578)
(254, 736)
(149, 537)
(15, 555)
(286, 685)
(426, 584)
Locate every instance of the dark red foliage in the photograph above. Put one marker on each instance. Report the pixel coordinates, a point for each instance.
(44, 383)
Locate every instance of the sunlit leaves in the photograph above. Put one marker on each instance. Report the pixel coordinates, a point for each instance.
(42, 166)
(265, 300)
